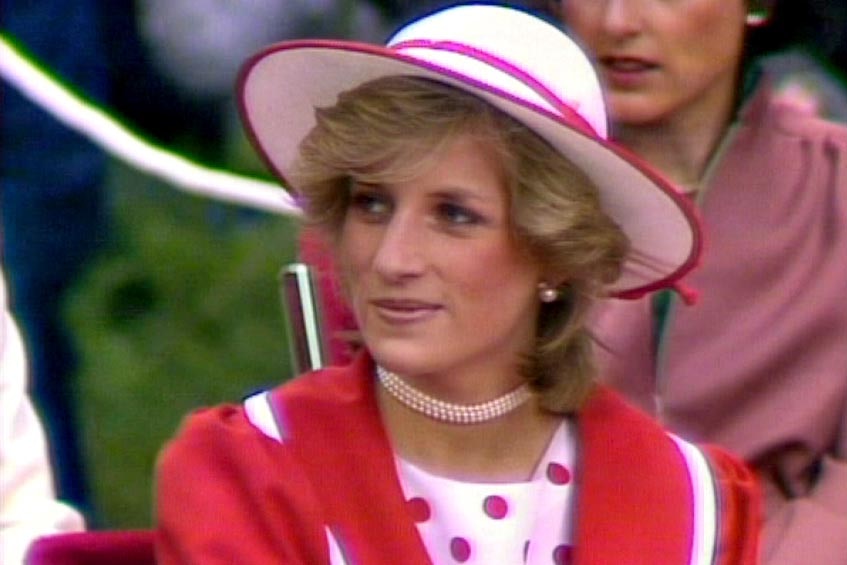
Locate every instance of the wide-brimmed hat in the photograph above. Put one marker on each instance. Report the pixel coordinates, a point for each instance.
(521, 64)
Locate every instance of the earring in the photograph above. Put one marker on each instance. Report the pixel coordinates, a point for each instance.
(547, 293)
(758, 14)
(757, 18)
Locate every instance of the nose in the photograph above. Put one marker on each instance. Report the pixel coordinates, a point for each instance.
(621, 17)
(400, 252)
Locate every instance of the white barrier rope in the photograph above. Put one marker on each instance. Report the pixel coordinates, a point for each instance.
(102, 130)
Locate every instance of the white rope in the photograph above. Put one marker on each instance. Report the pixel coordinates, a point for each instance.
(119, 141)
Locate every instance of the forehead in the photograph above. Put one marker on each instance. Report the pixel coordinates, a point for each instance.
(460, 154)
(465, 165)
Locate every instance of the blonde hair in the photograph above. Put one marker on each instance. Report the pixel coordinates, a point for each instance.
(391, 128)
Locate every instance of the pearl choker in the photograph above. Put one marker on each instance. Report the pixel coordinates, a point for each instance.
(446, 411)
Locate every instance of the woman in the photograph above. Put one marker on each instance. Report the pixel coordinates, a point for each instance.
(474, 211)
(760, 364)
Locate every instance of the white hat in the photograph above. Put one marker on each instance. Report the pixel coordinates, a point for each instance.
(520, 64)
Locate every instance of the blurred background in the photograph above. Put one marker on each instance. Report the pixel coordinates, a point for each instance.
(138, 302)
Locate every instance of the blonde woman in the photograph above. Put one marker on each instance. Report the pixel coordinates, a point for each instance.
(474, 211)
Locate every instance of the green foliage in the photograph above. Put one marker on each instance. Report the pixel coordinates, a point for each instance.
(182, 312)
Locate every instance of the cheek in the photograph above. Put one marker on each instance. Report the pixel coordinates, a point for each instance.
(712, 35)
(355, 246)
(581, 21)
(495, 270)
(352, 259)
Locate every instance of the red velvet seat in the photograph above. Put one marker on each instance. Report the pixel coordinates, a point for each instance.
(118, 547)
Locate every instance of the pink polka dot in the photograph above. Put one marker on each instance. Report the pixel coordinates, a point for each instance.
(495, 507)
(418, 509)
(558, 474)
(460, 549)
(563, 555)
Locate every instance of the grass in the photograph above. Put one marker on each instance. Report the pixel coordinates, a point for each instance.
(182, 311)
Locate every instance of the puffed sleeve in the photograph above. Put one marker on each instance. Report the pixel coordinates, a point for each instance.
(226, 493)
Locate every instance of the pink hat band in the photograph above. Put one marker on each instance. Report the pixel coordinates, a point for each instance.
(520, 78)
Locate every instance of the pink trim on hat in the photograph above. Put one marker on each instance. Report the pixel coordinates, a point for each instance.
(573, 117)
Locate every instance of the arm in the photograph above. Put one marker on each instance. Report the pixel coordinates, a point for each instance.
(228, 494)
(28, 505)
(809, 525)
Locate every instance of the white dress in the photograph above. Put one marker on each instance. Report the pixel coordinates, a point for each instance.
(498, 523)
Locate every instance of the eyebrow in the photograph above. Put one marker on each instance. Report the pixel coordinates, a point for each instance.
(460, 193)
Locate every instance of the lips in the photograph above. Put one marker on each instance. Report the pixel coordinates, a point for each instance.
(624, 72)
(403, 310)
(627, 64)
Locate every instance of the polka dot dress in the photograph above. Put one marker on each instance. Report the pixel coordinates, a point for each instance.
(492, 523)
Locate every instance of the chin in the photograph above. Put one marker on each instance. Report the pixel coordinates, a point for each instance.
(404, 358)
(626, 111)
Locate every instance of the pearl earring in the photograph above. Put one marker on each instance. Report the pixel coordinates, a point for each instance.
(758, 13)
(757, 18)
(547, 293)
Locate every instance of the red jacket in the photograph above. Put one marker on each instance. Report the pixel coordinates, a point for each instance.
(230, 493)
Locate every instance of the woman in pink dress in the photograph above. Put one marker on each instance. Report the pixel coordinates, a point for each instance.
(759, 364)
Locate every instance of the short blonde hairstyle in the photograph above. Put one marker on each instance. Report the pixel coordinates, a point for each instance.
(391, 128)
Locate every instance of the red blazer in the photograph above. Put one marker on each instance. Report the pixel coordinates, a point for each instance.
(322, 472)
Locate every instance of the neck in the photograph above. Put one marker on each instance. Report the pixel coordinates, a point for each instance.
(453, 413)
(505, 449)
(682, 144)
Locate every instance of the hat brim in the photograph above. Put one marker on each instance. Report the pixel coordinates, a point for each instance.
(280, 87)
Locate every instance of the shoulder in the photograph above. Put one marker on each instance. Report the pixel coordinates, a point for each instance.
(230, 431)
(788, 154)
(704, 487)
(219, 457)
(607, 414)
(785, 114)
(218, 436)
(324, 396)
(222, 485)
(607, 408)
(616, 437)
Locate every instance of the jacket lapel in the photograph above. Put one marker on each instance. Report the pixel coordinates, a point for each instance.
(351, 464)
(634, 496)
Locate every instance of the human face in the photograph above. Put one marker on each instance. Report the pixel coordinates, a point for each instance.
(436, 280)
(661, 60)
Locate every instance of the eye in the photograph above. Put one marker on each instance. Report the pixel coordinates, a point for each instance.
(457, 215)
(370, 204)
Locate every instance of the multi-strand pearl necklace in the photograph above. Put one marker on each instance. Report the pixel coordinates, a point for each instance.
(446, 411)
